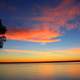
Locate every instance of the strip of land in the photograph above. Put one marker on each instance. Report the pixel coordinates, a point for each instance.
(41, 62)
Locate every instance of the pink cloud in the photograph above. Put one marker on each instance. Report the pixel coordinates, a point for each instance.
(59, 15)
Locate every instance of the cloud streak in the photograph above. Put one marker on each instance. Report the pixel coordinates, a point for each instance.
(65, 51)
(33, 55)
(41, 34)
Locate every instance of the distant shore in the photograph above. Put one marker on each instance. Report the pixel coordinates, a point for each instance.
(40, 62)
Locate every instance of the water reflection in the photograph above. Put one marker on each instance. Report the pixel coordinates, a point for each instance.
(40, 71)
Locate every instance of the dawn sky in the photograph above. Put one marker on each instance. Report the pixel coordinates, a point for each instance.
(41, 30)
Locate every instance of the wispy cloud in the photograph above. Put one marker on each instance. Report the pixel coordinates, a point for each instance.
(60, 15)
(49, 52)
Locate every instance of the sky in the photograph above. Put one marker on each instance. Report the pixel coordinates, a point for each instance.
(40, 30)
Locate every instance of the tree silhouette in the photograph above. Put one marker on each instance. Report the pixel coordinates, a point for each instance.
(2, 34)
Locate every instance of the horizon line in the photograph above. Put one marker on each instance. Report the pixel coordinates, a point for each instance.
(40, 62)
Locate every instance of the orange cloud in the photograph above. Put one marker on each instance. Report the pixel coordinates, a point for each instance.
(42, 34)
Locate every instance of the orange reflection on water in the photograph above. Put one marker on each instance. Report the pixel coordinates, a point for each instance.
(45, 70)
(53, 69)
(73, 70)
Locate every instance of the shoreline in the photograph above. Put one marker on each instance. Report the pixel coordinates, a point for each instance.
(40, 62)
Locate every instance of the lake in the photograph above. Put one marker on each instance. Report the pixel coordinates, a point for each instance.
(40, 71)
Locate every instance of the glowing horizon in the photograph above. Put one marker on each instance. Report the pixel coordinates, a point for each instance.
(36, 56)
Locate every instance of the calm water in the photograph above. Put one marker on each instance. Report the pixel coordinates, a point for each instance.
(40, 71)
